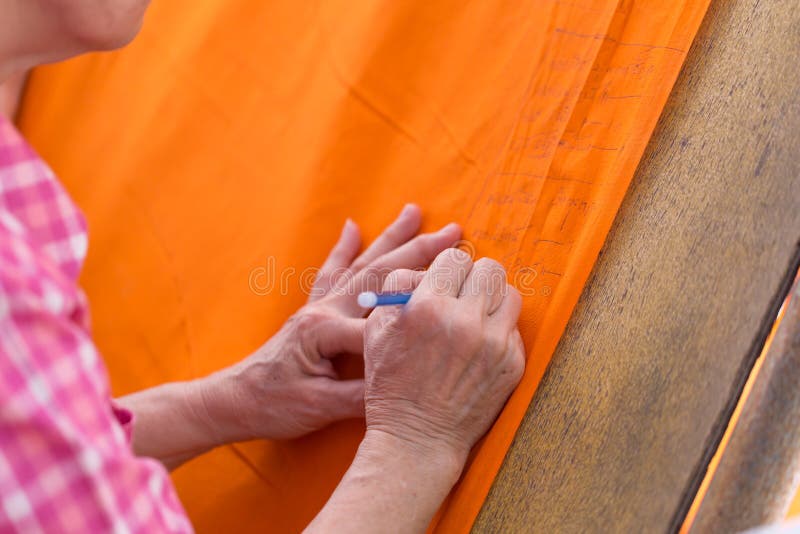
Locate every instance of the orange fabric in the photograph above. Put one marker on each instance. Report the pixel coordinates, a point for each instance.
(232, 132)
(794, 509)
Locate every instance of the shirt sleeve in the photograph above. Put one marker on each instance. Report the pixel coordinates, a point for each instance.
(65, 461)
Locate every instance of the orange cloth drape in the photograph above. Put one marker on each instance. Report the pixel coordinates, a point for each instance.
(233, 137)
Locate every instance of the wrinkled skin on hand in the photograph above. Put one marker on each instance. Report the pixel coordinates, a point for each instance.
(439, 369)
(289, 386)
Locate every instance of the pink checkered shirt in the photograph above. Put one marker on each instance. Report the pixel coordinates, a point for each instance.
(65, 460)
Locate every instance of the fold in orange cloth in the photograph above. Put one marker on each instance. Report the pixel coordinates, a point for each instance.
(233, 138)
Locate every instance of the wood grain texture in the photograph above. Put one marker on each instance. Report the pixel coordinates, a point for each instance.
(757, 477)
(620, 432)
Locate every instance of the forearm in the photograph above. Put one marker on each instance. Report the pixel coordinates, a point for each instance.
(172, 421)
(390, 487)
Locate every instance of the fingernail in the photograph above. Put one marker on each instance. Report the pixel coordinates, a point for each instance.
(450, 228)
(348, 223)
(406, 210)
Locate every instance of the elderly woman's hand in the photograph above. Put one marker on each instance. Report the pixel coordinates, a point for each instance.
(438, 371)
(289, 387)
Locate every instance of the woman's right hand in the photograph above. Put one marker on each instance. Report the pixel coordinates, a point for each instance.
(437, 372)
(439, 369)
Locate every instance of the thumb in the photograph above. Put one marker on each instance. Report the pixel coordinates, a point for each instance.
(344, 398)
(340, 335)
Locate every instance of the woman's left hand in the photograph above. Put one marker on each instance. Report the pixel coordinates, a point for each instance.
(289, 387)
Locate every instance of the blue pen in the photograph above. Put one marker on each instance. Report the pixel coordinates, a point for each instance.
(370, 299)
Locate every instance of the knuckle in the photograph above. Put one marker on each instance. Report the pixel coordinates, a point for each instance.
(516, 299)
(498, 273)
(455, 255)
(513, 294)
(496, 345)
(489, 276)
(515, 370)
(307, 319)
(489, 264)
(516, 361)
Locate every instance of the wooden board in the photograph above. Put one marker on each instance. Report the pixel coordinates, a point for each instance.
(645, 379)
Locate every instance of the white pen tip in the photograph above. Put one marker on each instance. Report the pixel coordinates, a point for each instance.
(367, 299)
